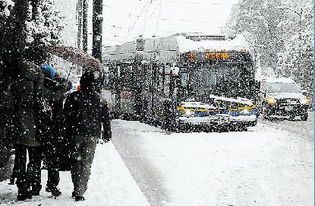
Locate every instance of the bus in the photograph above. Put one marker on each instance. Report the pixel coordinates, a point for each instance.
(183, 81)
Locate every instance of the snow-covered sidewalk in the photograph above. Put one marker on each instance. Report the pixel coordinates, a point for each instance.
(110, 184)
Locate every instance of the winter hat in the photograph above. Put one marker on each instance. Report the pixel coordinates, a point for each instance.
(48, 71)
(87, 80)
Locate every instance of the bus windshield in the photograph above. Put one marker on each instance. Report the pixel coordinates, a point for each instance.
(282, 87)
(229, 80)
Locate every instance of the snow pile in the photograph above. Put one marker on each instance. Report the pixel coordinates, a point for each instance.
(186, 45)
(196, 105)
(238, 100)
(280, 80)
(263, 73)
(110, 184)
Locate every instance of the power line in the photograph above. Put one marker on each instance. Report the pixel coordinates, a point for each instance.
(194, 21)
(140, 14)
(113, 26)
(118, 10)
(128, 19)
(138, 17)
(193, 2)
(150, 16)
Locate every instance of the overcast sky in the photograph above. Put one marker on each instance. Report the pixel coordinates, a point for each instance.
(125, 20)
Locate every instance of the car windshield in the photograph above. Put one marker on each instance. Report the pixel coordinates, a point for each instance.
(283, 87)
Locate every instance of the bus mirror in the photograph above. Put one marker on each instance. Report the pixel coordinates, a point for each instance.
(257, 86)
(106, 69)
(174, 71)
(184, 79)
(167, 69)
(304, 92)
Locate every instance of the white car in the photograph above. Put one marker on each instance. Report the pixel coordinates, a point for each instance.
(283, 97)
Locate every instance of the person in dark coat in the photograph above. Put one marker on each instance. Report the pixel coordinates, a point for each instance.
(55, 87)
(85, 115)
(6, 111)
(26, 91)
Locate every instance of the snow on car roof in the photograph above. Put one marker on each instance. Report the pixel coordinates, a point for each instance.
(186, 45)
(197, 104)
(282, 79)
(237, 100)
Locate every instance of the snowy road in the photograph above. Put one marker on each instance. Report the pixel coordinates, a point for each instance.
(271, 164)
(299, 128)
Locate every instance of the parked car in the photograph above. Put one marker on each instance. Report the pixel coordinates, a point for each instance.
(282, 97)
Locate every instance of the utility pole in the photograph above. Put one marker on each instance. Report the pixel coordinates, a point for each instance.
(79, 17)
(85, 24)
(97, 29)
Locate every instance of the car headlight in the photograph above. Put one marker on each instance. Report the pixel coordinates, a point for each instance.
(305, 100)
(271, 101)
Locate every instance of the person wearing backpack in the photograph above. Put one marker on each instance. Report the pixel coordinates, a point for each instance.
(55, 87)
(85, 114)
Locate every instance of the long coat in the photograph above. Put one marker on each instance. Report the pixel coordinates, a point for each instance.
(54, 93)
(26, 91)
(85, 114)
(6, 113)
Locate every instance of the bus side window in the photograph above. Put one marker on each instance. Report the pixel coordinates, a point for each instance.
(184, 80)
(106, 77)
(118, 71)
(146, 79)
(160, 78)
(167, 80)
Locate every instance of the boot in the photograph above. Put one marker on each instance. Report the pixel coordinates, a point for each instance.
(24, 192)
(54, 190)
(12, 180)
(79, 198)
(36, 189)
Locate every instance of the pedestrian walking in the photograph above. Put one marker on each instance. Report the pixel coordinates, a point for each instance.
(55, 87)
(26, 93)
(6, 111)
(85, 115)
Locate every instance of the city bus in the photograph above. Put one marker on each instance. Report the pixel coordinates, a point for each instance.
(182, 82)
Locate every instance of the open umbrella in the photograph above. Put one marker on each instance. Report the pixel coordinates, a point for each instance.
(76, 56)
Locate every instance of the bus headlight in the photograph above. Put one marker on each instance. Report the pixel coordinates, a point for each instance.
(271, 101)
(189, 113)
(245, 111)
(305, 100)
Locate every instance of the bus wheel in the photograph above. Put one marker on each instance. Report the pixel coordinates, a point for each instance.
(291, 117)
(265, 113)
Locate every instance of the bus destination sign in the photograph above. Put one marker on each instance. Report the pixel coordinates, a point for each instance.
(213, 55)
